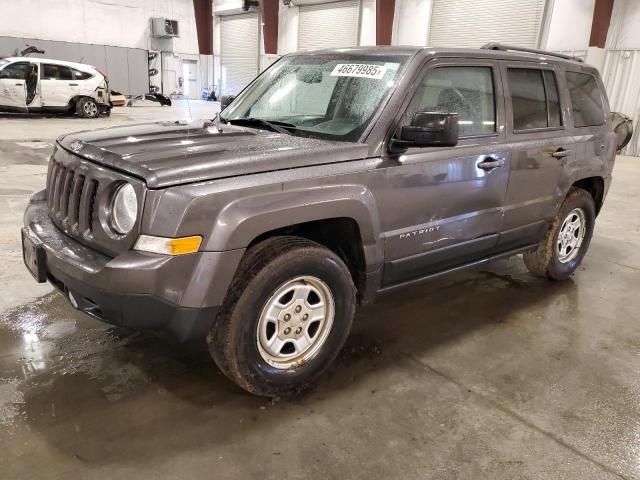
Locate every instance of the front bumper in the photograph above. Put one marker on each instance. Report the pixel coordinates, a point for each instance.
(180, 294)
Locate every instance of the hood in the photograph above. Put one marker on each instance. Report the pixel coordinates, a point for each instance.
(172, 153)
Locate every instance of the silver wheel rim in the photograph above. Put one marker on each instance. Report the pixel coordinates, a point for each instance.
(90, 108)
(295, 322)
(571, 235)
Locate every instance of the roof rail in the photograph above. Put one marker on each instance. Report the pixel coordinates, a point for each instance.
(504, 48)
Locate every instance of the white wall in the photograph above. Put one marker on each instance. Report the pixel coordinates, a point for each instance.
(569, 26)
(621, 72)
(624, 31)
(120, 23)
(411, 22)
(367, 22)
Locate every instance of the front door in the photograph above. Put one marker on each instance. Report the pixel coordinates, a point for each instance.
(190, 78)
(542, 152)
(57, 85)
(13, 89)
(442, 207)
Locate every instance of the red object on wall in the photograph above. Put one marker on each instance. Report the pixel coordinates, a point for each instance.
(204, 25)
(600, 24)
(384, 21)
(270, 25)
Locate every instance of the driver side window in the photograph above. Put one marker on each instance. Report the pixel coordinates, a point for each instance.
(467, 91)
(17, 71)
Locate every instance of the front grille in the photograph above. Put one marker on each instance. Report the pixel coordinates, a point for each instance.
(79, 193)
(71, 197)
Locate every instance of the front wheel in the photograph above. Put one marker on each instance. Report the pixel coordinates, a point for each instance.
(87, 107)
(288, 313)
(561, 251)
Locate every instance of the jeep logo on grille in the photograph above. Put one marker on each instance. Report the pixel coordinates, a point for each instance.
(76, 146)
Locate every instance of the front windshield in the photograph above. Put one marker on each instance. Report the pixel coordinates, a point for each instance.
(327, 96)
(3, 62)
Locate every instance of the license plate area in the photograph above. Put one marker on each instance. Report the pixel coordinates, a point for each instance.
(34, 256)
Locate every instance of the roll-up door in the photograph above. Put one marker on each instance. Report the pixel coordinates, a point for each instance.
(328, 25)
(238, 51)
(471, 24)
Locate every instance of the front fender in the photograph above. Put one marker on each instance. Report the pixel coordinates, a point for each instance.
(244, 219)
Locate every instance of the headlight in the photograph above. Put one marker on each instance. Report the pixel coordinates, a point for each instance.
(124, 209)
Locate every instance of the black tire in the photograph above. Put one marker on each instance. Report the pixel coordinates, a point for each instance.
(233, 342)
(87, 108)
(545, 261)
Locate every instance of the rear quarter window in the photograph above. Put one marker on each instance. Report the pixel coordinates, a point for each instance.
(78, 75)
(586, 99)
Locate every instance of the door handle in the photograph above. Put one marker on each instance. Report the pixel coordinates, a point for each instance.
(490, 163)
(19, 84)
(73, 84)
(561, 153)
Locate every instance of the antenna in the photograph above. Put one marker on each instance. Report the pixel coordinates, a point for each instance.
(189, 108)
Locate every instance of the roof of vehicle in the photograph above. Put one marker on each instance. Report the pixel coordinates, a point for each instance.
(79, 66)
(507, 54)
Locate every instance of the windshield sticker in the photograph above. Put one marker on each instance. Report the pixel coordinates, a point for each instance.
(362, 70)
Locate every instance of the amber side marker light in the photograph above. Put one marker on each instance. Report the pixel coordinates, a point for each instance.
(168, 246)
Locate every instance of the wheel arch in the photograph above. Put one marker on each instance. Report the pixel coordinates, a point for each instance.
(595, 187)
(341, 235)
(342, 218)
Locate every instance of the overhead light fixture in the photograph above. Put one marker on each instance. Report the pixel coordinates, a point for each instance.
(249, 4)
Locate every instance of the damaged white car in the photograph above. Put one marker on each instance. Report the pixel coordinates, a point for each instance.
(37, 85)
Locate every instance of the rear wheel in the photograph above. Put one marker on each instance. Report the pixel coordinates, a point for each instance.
(87, 107)
(560, 253)
(288, 313)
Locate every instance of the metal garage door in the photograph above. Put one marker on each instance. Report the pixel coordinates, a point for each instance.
(461, 23)
(328, 25)
(238, 51)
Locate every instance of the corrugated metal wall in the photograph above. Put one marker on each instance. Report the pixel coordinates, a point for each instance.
(621, 76)
(127, 68)
(471, 24)
(328, 25)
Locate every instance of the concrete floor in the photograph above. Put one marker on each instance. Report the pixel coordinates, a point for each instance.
(492, 374)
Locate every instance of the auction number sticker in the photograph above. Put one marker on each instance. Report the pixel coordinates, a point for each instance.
(359, 70)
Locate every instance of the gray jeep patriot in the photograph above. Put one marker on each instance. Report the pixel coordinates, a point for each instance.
(334, 176)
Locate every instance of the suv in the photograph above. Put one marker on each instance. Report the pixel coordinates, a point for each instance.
(334, 176)
(42, 85)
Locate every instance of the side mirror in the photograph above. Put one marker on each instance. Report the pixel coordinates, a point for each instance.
(429, 129)
(226, 100)
(623, 128)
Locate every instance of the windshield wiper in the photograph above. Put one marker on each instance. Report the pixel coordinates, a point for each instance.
(274, 126)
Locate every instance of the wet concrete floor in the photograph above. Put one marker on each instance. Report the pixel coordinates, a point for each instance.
(489, 374)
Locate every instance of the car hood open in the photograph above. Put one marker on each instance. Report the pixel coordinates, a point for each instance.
(172, 153)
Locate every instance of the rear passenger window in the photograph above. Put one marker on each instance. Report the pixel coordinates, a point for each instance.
(467, 91)
(56, 72)
(553, 102)
(534, 99)
(585, 99)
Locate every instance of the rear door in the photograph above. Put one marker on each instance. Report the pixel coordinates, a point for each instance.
(595, 142)
(442, 207)
(542, 150)
(13, 93)
(57, 85)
